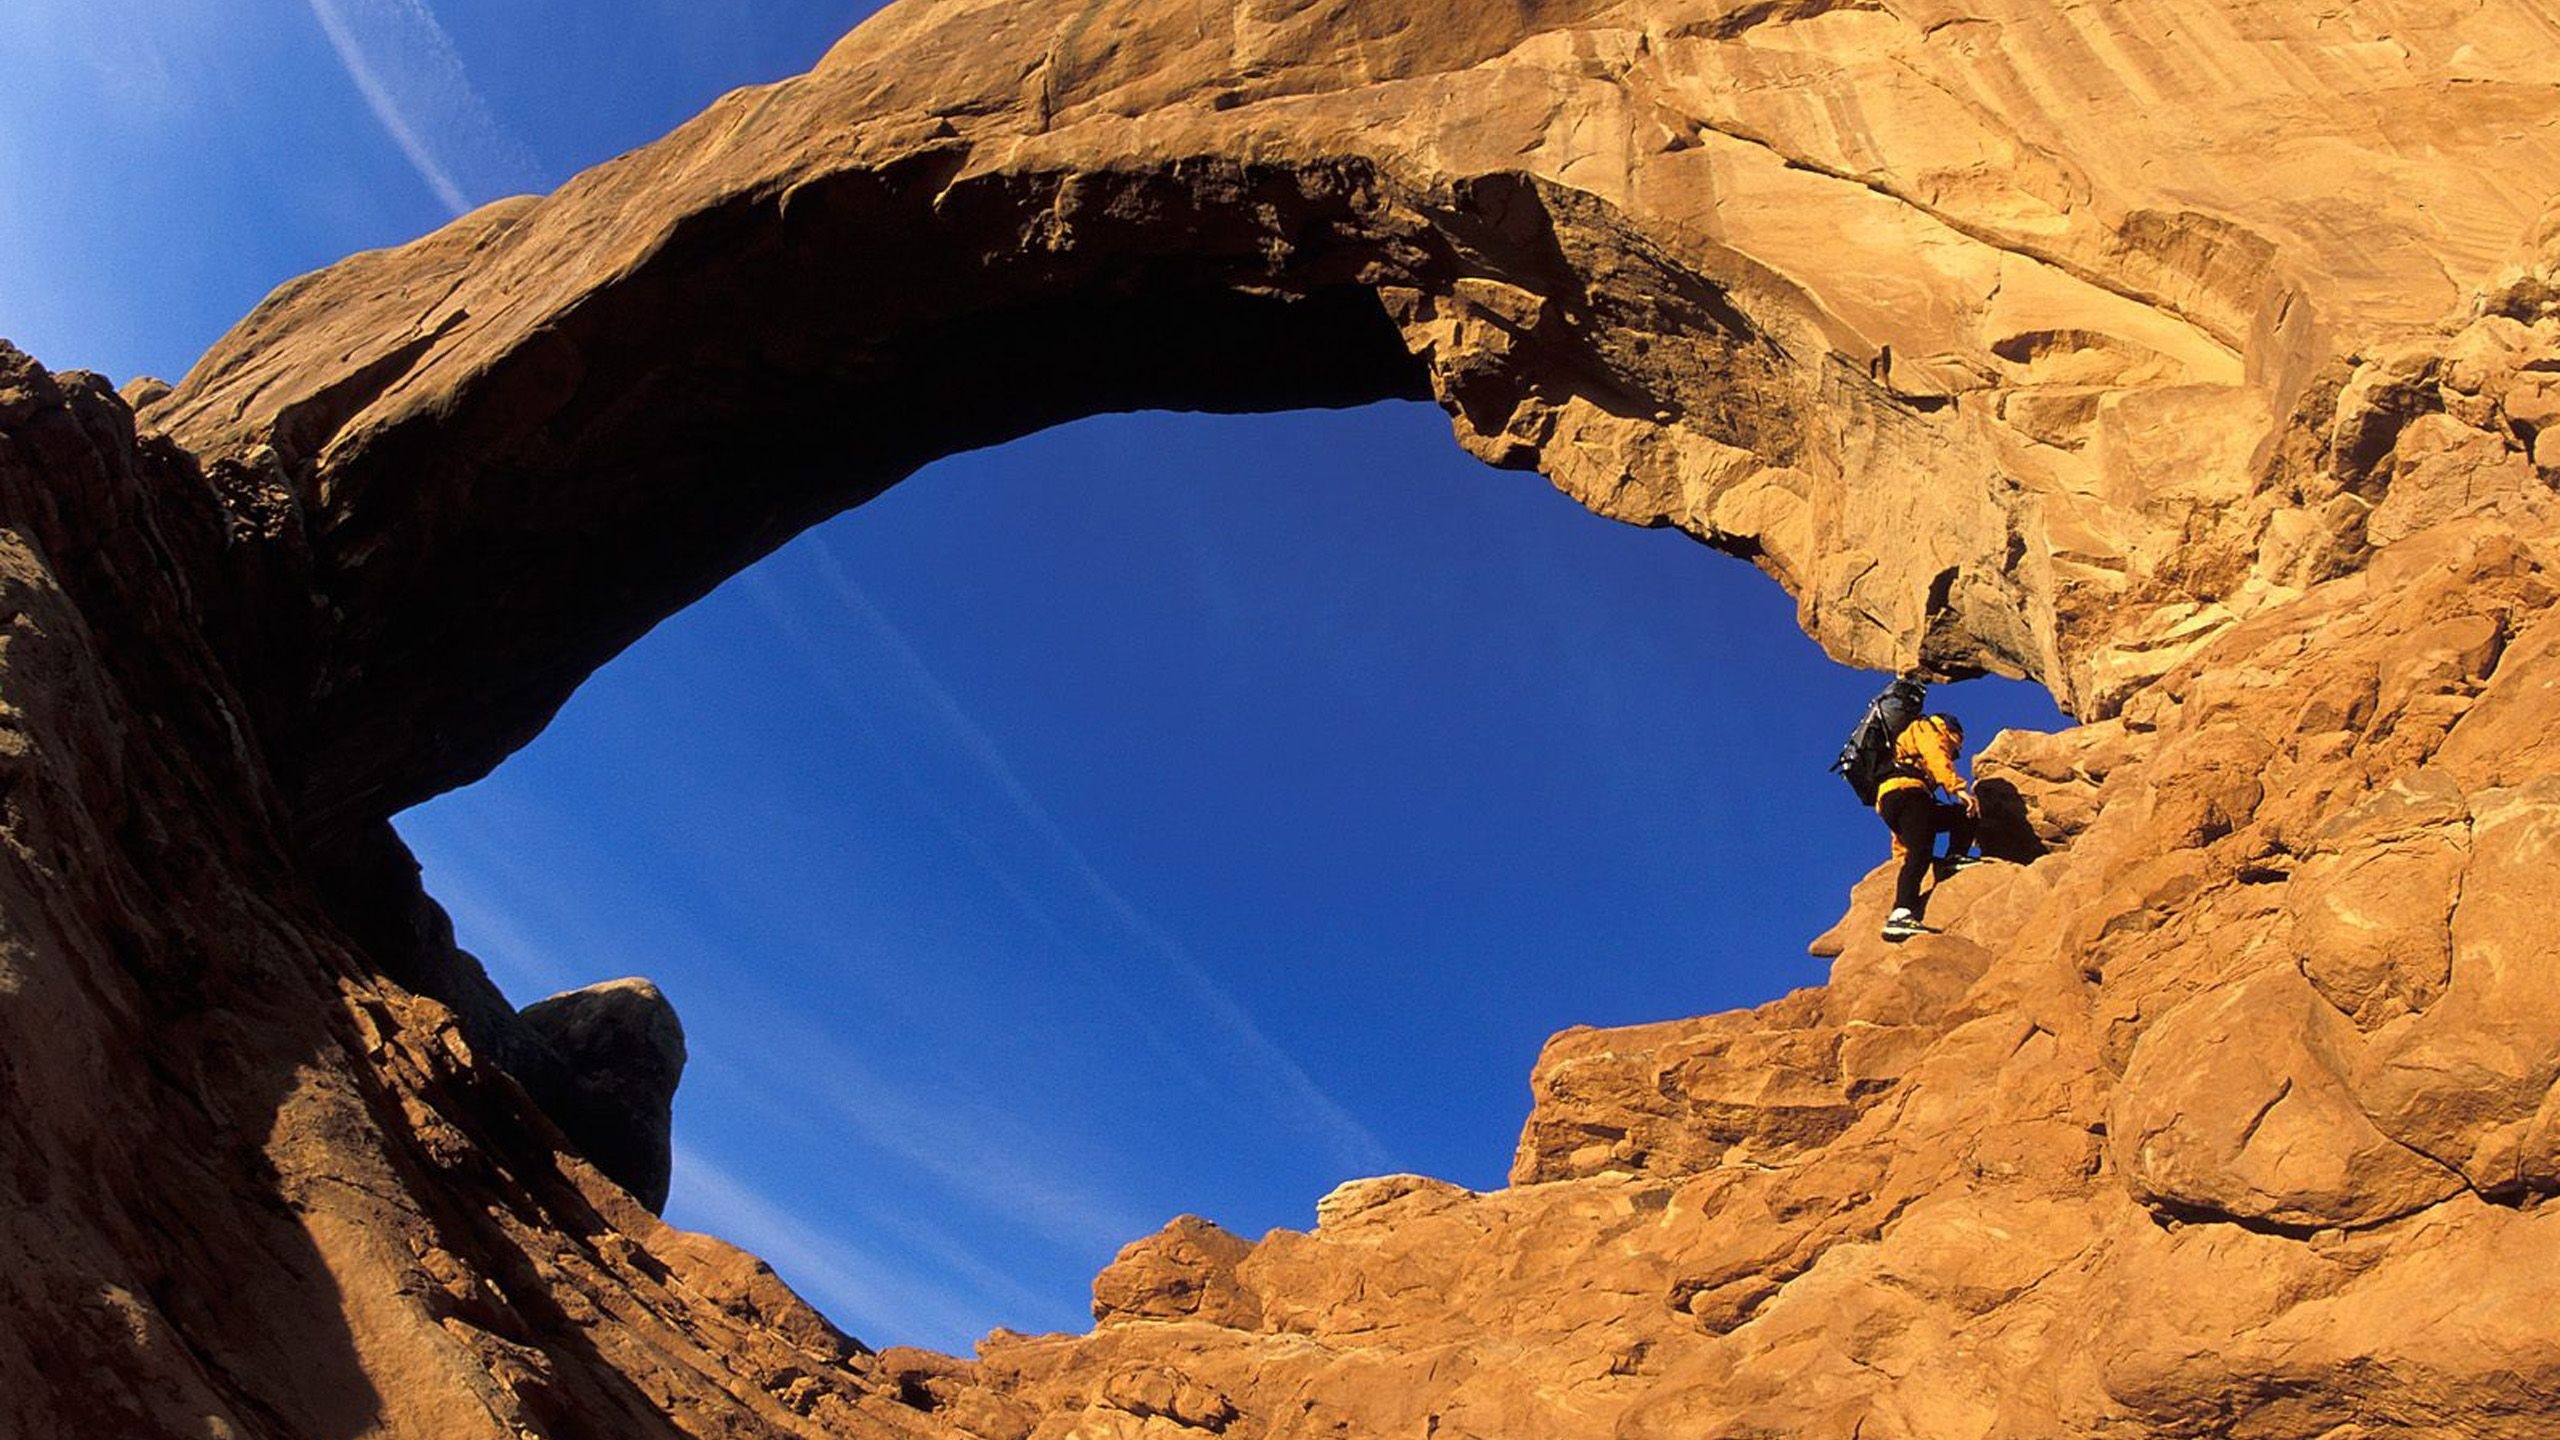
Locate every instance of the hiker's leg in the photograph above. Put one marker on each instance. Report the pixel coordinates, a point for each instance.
(1959, 826)
(1906, 813)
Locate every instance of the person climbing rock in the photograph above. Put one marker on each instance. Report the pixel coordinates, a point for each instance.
(1924, 763)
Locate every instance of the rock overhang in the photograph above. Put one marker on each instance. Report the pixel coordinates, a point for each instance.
(2060, 342)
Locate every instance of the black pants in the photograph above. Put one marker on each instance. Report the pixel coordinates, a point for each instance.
(1917, 819)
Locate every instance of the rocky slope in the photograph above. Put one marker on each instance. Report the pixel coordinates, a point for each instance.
(2200, 360)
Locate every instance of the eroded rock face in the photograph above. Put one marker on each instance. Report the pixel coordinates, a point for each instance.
(621, 1051)
(2108, 345)
(1974, 326)
(249, 1184)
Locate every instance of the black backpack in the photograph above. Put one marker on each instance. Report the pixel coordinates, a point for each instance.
(1868, 757)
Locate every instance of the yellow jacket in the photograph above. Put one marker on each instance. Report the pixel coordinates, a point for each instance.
(1927, 748)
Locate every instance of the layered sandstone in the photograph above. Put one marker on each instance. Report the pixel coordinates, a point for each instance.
(2200, 360)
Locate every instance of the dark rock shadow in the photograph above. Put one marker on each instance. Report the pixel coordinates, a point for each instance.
(2007, 831)
(174, 1075)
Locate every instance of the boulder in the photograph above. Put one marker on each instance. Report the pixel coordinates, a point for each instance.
(621, 1052)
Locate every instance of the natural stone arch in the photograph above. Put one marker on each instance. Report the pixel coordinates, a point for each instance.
(776, 358)
(2163, 401)
(1974, 392)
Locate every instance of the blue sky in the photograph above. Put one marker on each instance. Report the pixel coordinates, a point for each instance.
(1160, 814)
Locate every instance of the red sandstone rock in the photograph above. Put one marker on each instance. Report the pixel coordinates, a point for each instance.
(1185, 1271)
(2102, 344)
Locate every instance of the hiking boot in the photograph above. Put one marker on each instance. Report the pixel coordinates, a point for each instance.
(1902, 925)
(1954, 863)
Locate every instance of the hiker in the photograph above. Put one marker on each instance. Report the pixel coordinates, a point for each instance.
(1924, 763)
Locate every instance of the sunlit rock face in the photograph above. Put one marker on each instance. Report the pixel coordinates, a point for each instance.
(1975, 326)
(2202, 361)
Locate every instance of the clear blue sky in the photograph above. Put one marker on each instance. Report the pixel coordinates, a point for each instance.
(1161, 814)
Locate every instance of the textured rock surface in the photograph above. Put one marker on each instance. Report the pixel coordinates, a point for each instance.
(601, 1063)
(249, 1184)
(2104, 344)
(622, 1049)
(1972, 325)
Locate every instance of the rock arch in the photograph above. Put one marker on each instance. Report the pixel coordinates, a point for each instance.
(2121, 347)
(1963, 392)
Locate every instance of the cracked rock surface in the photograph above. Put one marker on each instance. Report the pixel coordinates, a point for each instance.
(2200, 360)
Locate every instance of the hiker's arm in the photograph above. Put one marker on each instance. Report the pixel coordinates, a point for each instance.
(1938, 756)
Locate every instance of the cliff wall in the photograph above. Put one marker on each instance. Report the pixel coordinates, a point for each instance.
(2201, 361)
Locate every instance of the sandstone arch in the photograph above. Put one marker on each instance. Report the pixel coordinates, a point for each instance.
(1991, 373)
(651, 434)
(2127, 347)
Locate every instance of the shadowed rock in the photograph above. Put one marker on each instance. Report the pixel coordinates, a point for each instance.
(623, 1052)
(2122, 346)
